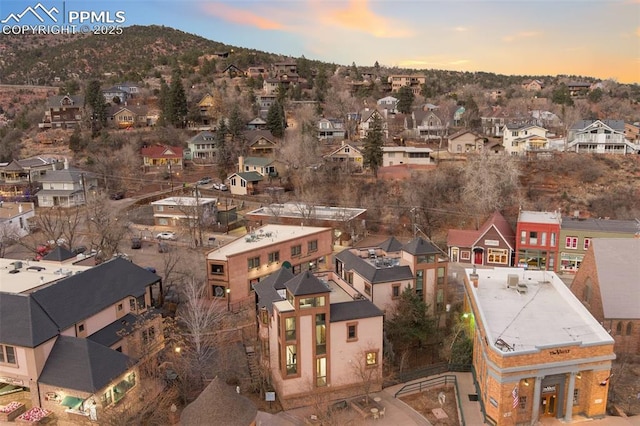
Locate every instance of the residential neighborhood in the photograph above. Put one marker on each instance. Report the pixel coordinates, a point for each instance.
(313, 243)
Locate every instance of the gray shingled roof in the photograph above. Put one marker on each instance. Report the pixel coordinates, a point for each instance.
(601, 225)
(306, 283)
(65, 175)
(82, 365)
(618, 271)
(258, 161)
(391, 245)
(82, 295)
(267, 289)
(419, 246)
(110, 334)
(23, 322)
(59, 254)
(371, 273)
(250, 176)
(353, 310)
(614, 124)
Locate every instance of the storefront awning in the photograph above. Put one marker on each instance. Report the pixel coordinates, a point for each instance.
(72, 402)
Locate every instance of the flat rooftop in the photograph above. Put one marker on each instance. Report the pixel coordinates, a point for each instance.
(302, 211)
(544, 314)
(263, 237)
(183, 201)
(602, 225)
(539, 217)
(32, 275)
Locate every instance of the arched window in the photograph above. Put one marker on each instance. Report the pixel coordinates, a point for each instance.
(629, 328)
(619, 328)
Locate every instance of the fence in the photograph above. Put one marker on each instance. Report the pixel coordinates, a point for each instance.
(423, 385)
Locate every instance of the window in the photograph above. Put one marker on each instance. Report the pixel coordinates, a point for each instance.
(367, 288)
(440, 300)
(571, 242)
(106, 398)
(440, 279)
(217, 269)
(533, 238)
(80, 328)
(523, 237)
(498, 256)
(321, 371)
(254, 262)
(352, 331)
(372, 358)
(312, 246)
(311, 302)
(296, 250)
(120, 307)
(321, 334)
(7, 354)
(419, 282)
(395, 291)
(629, 328)
(553, 239)
(148, 335)
(465, 255)
(291, 359)
(543, 239)
(274, 257)
(290, 328)
(132, 304)
(587, 243)
(619, 329)
(576, 396)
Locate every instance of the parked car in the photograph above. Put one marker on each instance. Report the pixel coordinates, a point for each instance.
(167, 235)
(220, 186)
(136, 243)
(204, 181)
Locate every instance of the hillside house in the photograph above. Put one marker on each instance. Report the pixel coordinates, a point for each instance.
(185, 212)
(413, 81)
(465, 141)
(389, 103)
(21, 177)
(492, 245)
(260, 143)
(63, 112)
(413, 155)
(162, 157)
(330, 128)
(201, 148)
(600, 137)
(68, 187)
(523, 139)
(348, 156)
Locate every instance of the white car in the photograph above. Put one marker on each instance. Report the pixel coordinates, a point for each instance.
(220, 186)
(168, 235)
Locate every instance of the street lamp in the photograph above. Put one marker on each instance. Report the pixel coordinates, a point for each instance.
(228, 291)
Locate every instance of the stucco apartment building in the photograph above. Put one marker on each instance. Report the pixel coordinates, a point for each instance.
(72, 337)
(318, 339)
(537, 352)
(607, 284)
(383, 272)
(232, 269)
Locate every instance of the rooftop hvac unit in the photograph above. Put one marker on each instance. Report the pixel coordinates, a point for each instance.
(512, 280)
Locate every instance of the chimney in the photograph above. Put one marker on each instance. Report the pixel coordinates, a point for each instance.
(66, 163)
(474, 277)
(241, 164)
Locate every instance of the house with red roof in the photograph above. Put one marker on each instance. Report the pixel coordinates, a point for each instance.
(162, 156)
(491, 245)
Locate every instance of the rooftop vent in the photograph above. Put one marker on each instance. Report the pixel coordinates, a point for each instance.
(512, 280)
(522, 288)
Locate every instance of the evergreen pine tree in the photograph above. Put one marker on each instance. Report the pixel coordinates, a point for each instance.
(372, 152)
(165, 111)
(95, 100)
(405, 99)
(177, 100)
(275, 119)
(236, 123)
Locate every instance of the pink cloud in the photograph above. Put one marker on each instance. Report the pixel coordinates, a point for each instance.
(239, 16)
(358, 16)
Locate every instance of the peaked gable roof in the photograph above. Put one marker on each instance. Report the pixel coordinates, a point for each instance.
(419, 246)
(583, 125)
(267, 289)
(204, 136)
(497, 221)
(13, 166)
(57, 101)
(391, 245)
(65, 175)
(83, 365)
(161, 151)
(81, 295)
(371, 273)
(258, 161)
(59, 254)
(341, 149)
(618, 270)
(306, 283)
(248, 176)
(23, 322)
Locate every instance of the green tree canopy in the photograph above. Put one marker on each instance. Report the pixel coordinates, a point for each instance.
(372, 153)
(409, 325)
(177, 103)
(276, 119)
(94, 99)
(562, 95)
(405, 99)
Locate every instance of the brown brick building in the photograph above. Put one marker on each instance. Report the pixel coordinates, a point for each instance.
(537, 351)
(608, 285)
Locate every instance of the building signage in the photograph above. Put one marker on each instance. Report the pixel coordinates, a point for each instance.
(270, 396)
(11, 381)
(549, 389)
(559, 351)
(492, 243)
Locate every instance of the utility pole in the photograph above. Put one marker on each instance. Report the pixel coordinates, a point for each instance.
(198, 223)
(84, 187)
(170, 176)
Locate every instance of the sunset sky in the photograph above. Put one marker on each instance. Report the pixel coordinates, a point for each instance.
(598, 38)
